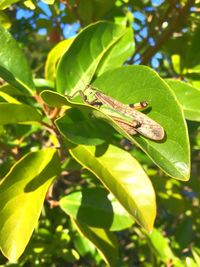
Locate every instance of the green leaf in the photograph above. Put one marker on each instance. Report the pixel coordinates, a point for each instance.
(93, 131)
(189, 98)
(94, 10)
(17, 113)
(189, 262)
(8, 98)
(5, 20)
(42, 84)
(14, 67)
(99, 47)
(29, 4)
(176, 62)
(103, 240)
(22, 193)
(6, 3)
(49, 2)
(117, 54)
(133, 84)
(159, 245)
(196, 255)
(127, 85)
(193, 53)
(10, 90)
(123, 176)
(53, 57)
(95, 207)
(54, 99)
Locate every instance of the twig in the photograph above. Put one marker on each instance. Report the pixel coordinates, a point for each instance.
(152, 30)
(73, 9)
(182, 14)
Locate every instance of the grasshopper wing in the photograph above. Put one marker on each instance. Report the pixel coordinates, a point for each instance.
(149, 128)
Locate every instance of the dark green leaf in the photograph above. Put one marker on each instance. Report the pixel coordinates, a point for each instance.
(93, 10)
(95, 207)
(80, 127)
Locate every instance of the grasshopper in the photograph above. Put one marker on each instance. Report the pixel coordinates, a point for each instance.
(126, 116)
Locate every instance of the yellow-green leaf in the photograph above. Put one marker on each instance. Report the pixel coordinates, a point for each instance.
(53, 57)
(124, 177)
(103, 240)
(22, 192)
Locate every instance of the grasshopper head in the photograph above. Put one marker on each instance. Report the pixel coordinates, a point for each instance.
(90, 94)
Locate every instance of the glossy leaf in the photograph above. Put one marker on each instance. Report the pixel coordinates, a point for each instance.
(54, 99)
(189, 262)
(97, 48)
(123, 176)
(22, 193)
(127, 85)
(8, 98)
(95, 207)
(10, 90)
(103, 240)
(189, 98)
(17, 113)
(53, 57)
(14, 67)
(93, 131)
(137, 83)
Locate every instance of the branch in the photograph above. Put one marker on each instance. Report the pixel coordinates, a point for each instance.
(73, 9)
(152, 30)
(182, 15)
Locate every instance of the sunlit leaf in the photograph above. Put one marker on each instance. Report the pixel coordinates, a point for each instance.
(16, 113)
(127, 85)
(160, 245)
(138, 83)
(53, 57)
(5, 20)
(6, 3)
(99, 47)
(14, 67)
(123, 176)
(22, 193)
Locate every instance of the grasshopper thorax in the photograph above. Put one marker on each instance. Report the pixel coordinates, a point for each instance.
(90, 93)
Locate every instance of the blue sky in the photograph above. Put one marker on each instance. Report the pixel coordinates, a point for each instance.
(71, 30)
